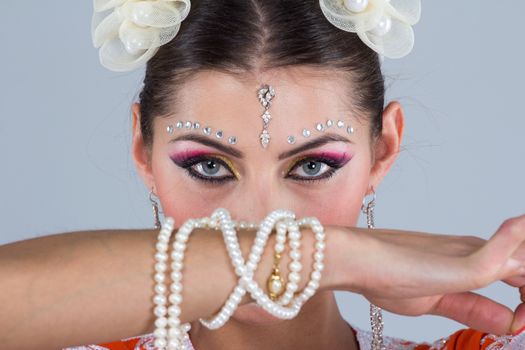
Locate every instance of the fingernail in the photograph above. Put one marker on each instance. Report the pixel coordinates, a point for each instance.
(519, 331)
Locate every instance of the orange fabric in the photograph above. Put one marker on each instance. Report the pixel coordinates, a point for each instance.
(122, 344)
(468, 339)
(465, 339)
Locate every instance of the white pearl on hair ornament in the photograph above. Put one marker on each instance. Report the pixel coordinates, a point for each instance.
(383, 26)
(356, 5)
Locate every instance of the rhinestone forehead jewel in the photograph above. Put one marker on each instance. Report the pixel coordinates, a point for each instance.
(266, 94)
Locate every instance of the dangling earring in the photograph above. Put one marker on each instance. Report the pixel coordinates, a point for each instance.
(155, 207)
(376, 314)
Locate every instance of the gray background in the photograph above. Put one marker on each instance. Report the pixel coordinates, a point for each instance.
(65, 133)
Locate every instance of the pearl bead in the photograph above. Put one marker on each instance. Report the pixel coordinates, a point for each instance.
(174, 311)
(173, 345)
(160, 267)
(160, 332)
(318, 256)
(295, 254)
(159, 299)
(320, 245)
(176, 287)
(240, 271)
(163, 239)
(173, 322)
(176, 265)
(160, 256)
(295, 235)
(160, 343)
(292, 286)
(175, 298)
(160, 288)
(309, 291)
(313, 284)
(173, 332)
(316, 275)
(279, 247)
(294, 277)
(159, 277)
(383, 26)
(175, 255)
(162, 246)
(295, 266)
(161, 322)
(160, 311)
(179, 246)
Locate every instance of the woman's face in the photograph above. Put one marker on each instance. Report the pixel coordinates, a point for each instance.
(328, 180)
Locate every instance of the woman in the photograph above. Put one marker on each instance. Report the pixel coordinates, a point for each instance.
(234, 48)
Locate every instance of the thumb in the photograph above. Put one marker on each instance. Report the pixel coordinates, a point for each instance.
(519, 318)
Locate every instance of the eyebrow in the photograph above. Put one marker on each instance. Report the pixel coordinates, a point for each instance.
(209, 142)
(327, 138)
(320, 141)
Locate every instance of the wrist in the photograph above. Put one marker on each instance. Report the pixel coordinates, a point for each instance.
(343, 270)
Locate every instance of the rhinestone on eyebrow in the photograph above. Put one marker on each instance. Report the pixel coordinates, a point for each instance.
(320, 127)
(189, 125)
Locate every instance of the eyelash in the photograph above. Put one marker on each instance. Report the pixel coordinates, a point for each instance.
(332, 163)
(190, 162)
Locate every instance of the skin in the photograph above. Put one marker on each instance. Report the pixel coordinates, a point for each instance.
(409, 273)
(303, 97)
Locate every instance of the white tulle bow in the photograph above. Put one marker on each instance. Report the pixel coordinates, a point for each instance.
(129, 32)
(384, 25)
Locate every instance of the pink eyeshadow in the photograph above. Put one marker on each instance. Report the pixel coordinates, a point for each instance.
(181, 156)
(340, 157)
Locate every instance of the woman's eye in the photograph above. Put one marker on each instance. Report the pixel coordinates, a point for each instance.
(211, 168)
(310, 168)
(315, 168)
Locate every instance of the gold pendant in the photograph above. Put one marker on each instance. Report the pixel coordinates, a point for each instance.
(275, 283)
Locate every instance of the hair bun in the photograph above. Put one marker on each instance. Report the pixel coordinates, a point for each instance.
(384, 25)
(129, 32)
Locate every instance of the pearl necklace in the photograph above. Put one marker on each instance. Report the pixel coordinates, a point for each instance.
(175, 337)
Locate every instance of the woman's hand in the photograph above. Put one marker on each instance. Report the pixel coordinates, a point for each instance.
(411, 273)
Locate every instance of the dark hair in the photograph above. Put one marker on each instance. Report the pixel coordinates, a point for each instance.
(238, 36)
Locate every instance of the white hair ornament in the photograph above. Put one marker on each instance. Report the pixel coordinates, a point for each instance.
(384, 25)
(129, 32)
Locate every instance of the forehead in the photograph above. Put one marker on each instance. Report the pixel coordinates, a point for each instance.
(304, 98)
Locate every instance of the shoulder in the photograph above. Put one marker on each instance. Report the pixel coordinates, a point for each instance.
(464, 339)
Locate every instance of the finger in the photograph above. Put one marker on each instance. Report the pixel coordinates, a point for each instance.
(515, 281)
(500, 248)
(519, 317)
(475, 311)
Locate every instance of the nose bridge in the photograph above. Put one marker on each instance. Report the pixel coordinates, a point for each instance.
(260, 197)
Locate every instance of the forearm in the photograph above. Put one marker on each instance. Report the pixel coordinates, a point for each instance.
(398, 263)
(95, 287)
